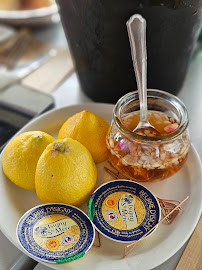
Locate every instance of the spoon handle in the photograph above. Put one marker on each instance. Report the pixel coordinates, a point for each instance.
(136, 27)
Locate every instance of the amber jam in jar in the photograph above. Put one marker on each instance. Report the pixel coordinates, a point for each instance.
(142, 157)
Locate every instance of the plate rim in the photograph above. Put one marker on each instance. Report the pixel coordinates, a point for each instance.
(28, 14)
(93, 105)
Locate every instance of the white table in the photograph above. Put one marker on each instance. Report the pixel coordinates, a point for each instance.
(70, 93)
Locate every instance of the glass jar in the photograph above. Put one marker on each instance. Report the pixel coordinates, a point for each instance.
(143, 158)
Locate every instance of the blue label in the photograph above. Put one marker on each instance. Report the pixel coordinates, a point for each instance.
(125, 210)
(53, 231)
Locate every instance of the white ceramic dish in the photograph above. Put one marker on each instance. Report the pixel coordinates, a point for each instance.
(40, 16)
(150, 252)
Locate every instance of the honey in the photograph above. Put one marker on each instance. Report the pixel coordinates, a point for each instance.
(142, 157)
(163, 123)
(139, 173)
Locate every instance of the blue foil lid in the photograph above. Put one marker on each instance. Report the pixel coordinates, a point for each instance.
(51, 232)
(124, 210)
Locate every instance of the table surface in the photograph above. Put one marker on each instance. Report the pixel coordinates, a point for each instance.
(70, 93)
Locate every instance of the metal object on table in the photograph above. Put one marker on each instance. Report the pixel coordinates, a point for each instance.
(11, 52)
(9, 77)
(132, 245)
(16, 110)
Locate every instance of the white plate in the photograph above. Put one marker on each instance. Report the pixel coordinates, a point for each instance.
(39, 16)
(150, 252)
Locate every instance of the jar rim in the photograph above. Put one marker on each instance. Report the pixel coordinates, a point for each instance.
(155, 93)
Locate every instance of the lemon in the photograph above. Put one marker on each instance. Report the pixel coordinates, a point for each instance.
(21, 156)
(65, 173)
(90, 130)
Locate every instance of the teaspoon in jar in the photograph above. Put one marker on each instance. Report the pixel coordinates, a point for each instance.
(136, 27)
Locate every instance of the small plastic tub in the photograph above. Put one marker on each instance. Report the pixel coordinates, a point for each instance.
(124, 210)
(55, 233)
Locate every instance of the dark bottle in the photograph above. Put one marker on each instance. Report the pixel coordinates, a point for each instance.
(97, 36)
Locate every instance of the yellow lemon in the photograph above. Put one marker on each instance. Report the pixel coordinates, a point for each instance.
(21, 156)
(90, 130)
(65, 173)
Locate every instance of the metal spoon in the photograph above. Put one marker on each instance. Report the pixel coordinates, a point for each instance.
(136, 27)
